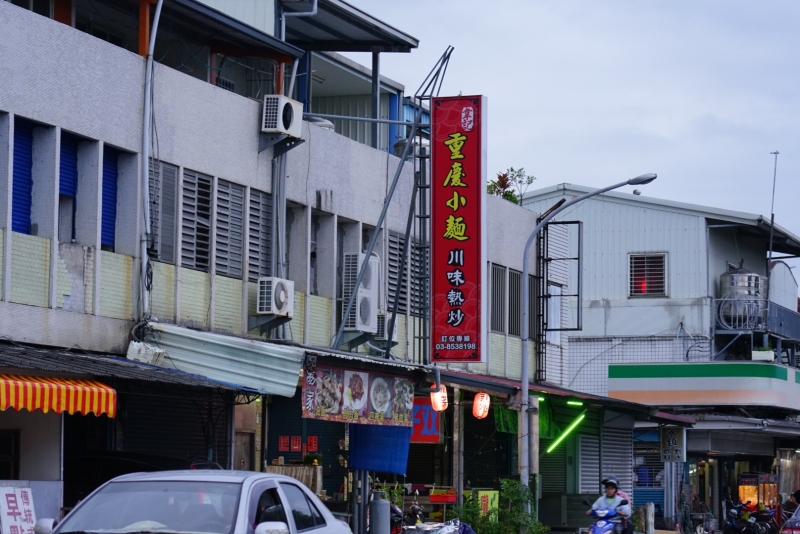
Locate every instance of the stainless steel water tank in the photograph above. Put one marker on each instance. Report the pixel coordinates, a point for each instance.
(742, 282)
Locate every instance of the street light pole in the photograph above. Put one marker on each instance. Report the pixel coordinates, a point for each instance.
(524, 471)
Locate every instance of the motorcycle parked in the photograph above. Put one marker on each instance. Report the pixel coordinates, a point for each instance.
(742, 521)
(603, 523)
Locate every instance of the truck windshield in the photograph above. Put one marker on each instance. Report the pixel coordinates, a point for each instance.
(158, 506)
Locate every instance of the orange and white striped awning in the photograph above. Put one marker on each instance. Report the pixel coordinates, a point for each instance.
(57, 394)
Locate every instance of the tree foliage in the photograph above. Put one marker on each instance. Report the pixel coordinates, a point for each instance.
(511, 517)
(511, 185)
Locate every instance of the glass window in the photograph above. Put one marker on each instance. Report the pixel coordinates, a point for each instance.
(269, 508)
(166, 506)
(306, 516)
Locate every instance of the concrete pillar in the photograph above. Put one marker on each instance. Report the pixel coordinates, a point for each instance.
(130, 219)
(6, 173)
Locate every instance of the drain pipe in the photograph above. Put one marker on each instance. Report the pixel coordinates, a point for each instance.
(146, 127)
(284, 14)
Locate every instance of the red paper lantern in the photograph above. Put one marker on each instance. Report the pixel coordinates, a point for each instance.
(439, 399)
(481, 404)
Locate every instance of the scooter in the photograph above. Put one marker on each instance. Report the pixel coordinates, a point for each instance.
(603, 524)
(741, 521)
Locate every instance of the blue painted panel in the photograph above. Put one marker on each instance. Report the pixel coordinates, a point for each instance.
(109, 224)
(394, 114)
(22, 191)
(68, 166)
(304, 81)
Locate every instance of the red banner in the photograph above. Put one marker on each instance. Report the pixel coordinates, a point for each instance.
(458, 188)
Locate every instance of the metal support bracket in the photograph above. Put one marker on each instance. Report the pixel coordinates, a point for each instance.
(284, 146)
(266, 140)
(351, 340)
(265, 322)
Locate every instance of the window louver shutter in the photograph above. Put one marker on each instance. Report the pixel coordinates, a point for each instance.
(260, 238)
(589, 464)
(419, 272)
(618, 457)
(163, 208)
(230, 229)
(68, 166)
(109, 222)
(553, 468)
(22, 194)
(498, 298)
(514, 303)
(196, 221)
(398, 274)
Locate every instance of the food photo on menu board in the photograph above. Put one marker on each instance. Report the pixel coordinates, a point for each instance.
(334, 394)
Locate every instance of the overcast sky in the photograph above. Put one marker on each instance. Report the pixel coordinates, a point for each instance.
(595, 92)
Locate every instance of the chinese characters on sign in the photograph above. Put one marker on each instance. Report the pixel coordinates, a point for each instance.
(426, 422)
(673, 444)
(335, 394)
(17, 515)
(458, 187)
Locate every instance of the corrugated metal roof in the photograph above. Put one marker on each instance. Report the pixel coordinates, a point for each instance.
(57, 360)
(264, 367)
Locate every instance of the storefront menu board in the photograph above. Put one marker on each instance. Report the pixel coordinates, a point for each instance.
(17, 515)
(352, 396)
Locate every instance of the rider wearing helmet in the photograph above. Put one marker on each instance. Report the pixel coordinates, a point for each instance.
(613, 501)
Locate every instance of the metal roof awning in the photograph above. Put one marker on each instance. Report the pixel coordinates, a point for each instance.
(224, 32)
(265, 367)
(340, 27)
(507, 386)
(105, 366)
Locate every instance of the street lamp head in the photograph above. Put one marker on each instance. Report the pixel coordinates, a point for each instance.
(643, 179)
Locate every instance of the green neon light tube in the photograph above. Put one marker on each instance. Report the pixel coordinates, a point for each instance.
(575, 403)
(566, 433)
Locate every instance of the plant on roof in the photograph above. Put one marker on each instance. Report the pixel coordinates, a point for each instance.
(510, 185)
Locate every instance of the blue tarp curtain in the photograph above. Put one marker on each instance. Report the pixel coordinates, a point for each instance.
(379, 448)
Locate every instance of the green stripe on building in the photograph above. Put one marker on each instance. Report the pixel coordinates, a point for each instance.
(694, 370)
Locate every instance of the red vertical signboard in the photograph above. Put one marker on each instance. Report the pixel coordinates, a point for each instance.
(458, 188)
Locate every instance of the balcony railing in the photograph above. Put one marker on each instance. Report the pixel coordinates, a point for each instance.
(753, 314)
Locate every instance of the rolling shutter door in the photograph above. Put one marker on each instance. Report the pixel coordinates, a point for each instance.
(230, 228)
(68, 166)
(174, 427)
(553, 468)
(22, 196)
(589, 459)
(260, 228)
(396, 279)
(109, 223)
(196, 221)
(618, 457)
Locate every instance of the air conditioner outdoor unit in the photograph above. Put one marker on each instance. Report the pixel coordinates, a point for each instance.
(364, 315)
(282, 116)
(275, 297)
(383, 322)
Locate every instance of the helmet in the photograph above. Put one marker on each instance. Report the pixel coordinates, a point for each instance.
(611, 481)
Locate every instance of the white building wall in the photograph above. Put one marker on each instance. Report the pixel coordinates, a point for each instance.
(40, 442)
(783, 286)
(613, 229)
(259, 14)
